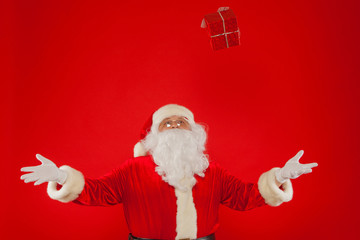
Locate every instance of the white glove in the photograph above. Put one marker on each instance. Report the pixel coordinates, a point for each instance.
(45, 172)
(293, 169)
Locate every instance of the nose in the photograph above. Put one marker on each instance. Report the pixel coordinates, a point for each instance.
(174, 124)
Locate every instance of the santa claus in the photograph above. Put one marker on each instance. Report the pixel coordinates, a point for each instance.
(169, 189)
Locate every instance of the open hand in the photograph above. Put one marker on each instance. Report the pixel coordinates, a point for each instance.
(293, 168)
(45, 172)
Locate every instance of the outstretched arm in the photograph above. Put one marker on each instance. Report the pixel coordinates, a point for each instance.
(72, 181)
(270, 182)
(101, 191)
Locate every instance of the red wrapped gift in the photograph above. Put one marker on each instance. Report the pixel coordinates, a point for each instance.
(223, 29)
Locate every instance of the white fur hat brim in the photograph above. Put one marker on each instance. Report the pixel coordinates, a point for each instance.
(172, 110)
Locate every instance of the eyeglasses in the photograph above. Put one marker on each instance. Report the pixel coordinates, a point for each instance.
(179, 122)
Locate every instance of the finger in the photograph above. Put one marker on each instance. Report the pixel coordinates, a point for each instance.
(298, 156)
(309, 165)
(299, 173)
(28, 169)
(42, 159)
(307, 171)
(29, 175)
(38, 182)
(31, 179)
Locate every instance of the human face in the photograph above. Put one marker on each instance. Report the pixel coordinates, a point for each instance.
(174, 122)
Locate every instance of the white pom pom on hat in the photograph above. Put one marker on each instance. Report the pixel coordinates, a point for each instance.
(157, 117)
(139, 149)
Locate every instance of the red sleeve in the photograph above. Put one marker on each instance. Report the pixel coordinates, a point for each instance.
(103, 191)
(238, 195)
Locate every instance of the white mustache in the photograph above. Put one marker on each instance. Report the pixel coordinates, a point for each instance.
(178, 154)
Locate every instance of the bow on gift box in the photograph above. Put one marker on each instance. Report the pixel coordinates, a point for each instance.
(223, 29)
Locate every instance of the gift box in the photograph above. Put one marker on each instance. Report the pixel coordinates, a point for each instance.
(223, 29)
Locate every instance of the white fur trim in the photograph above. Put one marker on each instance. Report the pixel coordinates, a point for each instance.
(272, 194)
(171, 110)
(139, 150)
(186, 216)
(71, 189)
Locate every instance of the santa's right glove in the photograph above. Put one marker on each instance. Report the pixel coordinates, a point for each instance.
(293, 169)
(45, 172)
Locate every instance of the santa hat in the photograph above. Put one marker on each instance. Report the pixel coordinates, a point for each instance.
(158, 116)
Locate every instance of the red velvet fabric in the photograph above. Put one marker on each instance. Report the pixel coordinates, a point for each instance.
(150, 203)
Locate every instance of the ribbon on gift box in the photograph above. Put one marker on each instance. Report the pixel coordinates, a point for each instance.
(225, 33)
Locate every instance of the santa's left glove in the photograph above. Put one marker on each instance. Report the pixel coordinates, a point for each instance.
(45, 172)
(293, 169)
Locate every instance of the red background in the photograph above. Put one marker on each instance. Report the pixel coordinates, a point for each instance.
(79, 79)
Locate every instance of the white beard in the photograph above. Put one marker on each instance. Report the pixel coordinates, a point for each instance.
(178, 154)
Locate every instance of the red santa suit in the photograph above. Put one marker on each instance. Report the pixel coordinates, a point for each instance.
(154, 209)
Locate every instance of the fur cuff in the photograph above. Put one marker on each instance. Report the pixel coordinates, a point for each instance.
(272, 194)
(71, 189)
